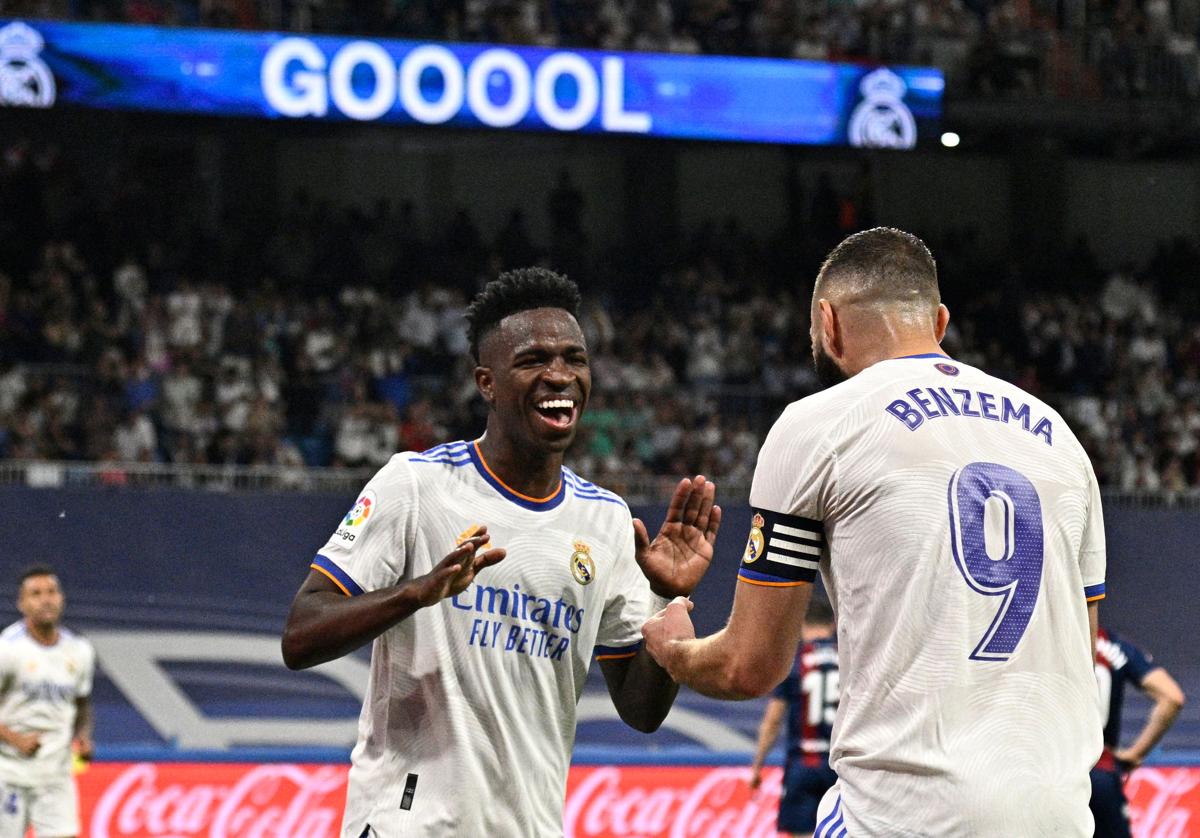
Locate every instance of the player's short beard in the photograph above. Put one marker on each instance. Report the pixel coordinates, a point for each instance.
(828, 372)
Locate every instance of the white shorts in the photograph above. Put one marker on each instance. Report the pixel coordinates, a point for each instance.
(51, 808)
(831, 822)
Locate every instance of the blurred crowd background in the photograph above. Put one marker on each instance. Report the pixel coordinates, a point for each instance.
(1003, 48)
(334, 336)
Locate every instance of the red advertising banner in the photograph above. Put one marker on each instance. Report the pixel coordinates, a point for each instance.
(239, 800)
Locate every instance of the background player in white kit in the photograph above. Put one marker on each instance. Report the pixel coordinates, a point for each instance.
(470, 715)
(45, 712)
(956, 522)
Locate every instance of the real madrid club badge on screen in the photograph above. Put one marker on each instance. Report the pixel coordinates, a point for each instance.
(25, 80)
(754, 545)
(582, 566)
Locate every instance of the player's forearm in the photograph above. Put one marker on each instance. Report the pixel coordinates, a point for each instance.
(645, 694)
(768, 732)
(1161, 718)
(324, 626)
(84, 719)
(715, 666)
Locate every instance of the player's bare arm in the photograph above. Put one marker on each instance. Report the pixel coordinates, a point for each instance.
(81, 739)
(1168, 700)
(324, 623)
(674, 563)
(748, 657)
(768, 732)
(1094, 624)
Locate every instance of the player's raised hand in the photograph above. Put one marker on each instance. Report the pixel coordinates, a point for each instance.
(454, 573)
(677, 558)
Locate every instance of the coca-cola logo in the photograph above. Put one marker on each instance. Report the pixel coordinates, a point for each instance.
(180, 800)
(266, 801)
(1164, 802)
(680, 803)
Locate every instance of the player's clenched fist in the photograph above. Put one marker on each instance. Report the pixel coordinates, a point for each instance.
(671, 624)
(453, 574)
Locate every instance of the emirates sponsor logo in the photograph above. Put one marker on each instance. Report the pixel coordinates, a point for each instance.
(715, 804)
(267, 801)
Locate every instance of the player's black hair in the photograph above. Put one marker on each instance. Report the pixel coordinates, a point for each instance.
(883, 263)
(514, 291)
(34, 570)
(820, 613)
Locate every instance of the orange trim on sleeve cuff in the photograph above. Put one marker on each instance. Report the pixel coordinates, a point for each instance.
(332, 578)
(773, 584)
(616, 657)
(1096, 598)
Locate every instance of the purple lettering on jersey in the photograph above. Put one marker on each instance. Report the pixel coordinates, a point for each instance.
(924, 403)
(943, 400)
(987, 405)
(1008, 412)
(1045, 430)
(904, 411)
(966, 402)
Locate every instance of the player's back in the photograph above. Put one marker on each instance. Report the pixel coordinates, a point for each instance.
(962, 526)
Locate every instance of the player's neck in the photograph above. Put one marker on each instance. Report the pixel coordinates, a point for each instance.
(45, 635)
(895, 349)
(921, 346)
(528, 471)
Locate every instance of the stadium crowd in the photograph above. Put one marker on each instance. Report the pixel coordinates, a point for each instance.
(986, 47)
(335, 337)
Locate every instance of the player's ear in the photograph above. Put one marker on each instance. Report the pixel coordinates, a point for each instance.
(830, 329)
(941, 321)
(485, 384)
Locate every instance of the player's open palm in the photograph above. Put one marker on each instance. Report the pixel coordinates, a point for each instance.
(677, 558)
(453, 574)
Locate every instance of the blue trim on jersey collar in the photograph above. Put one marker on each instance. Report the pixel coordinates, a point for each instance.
(520, 500)
(925, 355)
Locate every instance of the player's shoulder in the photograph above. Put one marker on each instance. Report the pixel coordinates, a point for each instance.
(14, 632)
(455, 453)
(808, 422)
(593, 497)
(433, 464)
(74, 638)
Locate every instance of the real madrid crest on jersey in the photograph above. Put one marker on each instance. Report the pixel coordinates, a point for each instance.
(882, 120)
(25, 80)
(754, 545)
(582, 566)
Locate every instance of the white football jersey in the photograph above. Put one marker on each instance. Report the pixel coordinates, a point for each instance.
(469, 720)
(38, 688)
(956, 523)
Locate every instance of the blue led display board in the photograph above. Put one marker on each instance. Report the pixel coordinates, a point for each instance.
(280, 76)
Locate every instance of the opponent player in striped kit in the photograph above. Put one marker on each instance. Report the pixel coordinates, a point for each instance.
(808, 699)
(481, 651)
(1119, 662)
(956, 523)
